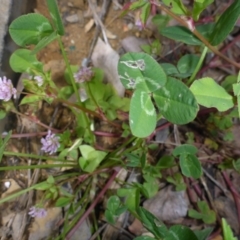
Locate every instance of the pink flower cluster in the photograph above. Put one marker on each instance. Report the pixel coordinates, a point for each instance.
(37, 212)
(6, 89)
(50, 143)
(83, 75)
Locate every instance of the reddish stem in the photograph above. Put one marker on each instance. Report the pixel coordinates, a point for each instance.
(234, 192)
(92, 206)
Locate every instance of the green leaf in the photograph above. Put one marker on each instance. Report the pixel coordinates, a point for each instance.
(113, 203)
(165, 162)
(91, 158)
(29, 29)
(4, 144)
(65, 92)
(225, 23)
(140, 71)
(190, 166)
(206, 214)
(227, 231)
(31, 99)
(132, 196)
(236, 165)
(110, 217)
(203, 234)
(145, 11)
(142, 116)
(144, 238)
(55, 15)
(199, 6)
(2, 114)
(176, 102)
(179, 232)
(153, 224)
(182, 34)
(44, 42)
(170, 69)
(32, 87)
(176, 6)
(184, 149)
(209, 94)
(23, 61)
(187, 64)
(63, 201)
(43, 186)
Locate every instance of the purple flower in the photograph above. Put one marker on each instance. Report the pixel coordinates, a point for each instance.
(83, 75)
(6, 89)
(39, 80)
(139, 24)
(50, 143)
(37, 212)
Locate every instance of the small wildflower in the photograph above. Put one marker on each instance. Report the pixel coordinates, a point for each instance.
(37, 212)
(139, 24)
(6, 89)
(39, 80)
(50, 143)
(83, 75)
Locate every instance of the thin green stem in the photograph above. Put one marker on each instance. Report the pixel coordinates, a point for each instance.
(36, 166)
(26, 155)
(19, 193)
(200, 62)
(85, 118)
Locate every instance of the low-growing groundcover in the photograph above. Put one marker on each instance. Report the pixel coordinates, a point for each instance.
(72, 171)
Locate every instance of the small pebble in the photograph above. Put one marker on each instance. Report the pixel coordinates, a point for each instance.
(72, 18)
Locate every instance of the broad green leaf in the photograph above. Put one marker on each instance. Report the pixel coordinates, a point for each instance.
(65, 92)
(23, 61)
(29, 29)
(43, 186)
(180, 232)
(199, 6)
(132, 196)
(2, 114)
(203, 234)
(227, 231)
(113, 203)
(184, 149)
(137, 4)
(228, 82)
(63, 201)
(236, 165)
(176, 6)
(55, 15)
(153, 224)
(31, 99)
(166, 162)
(140, 71)
(206, 214)
(176, 102)
(86, 150)
(225, 23)
(144, 238)
(190, 166)
(44, 42)
(209, 94)
(170, 69)
(182, 34)
(187, 64)
(145, 11)
(142, 116)
(160, 20)
(109, 216)
(91, 158)
(4, 144)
